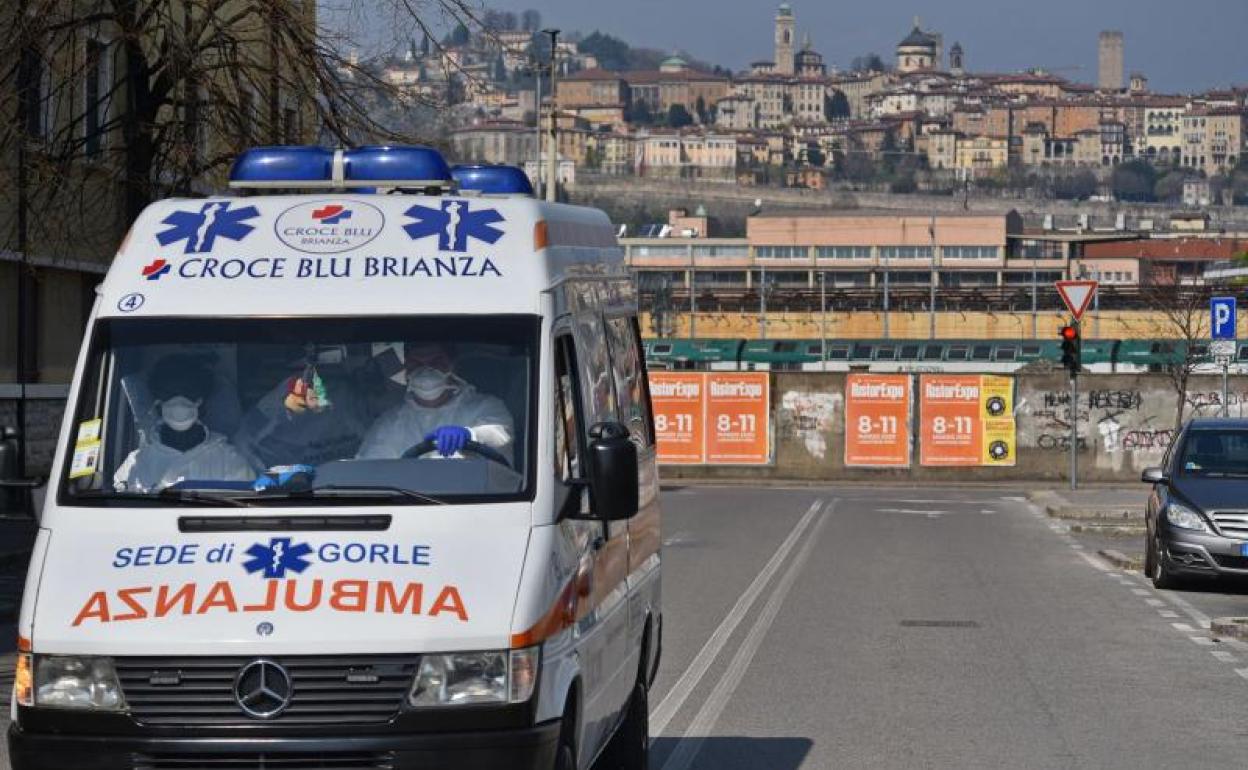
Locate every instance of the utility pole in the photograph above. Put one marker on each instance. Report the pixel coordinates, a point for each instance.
(537, 126)
(886, 305)
(931, 296)
(762, 304)
(693, 300)
(823, 318)
(552, 185)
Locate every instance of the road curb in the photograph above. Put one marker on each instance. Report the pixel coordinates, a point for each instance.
(1121, 560)
(1229, 627)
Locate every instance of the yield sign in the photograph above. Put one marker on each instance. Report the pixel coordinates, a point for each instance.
(1077, 295)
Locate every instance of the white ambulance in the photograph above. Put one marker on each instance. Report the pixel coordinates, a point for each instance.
(360, 477)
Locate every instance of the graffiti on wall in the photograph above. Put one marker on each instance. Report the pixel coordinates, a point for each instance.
(1122, 426)
(809, 417)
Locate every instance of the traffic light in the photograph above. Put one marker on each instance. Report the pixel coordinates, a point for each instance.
(1072, 348)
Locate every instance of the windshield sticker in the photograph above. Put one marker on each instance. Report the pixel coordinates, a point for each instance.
(277, 563)
(329, 227)
(200, 229)
(454, 224)
(86, 456)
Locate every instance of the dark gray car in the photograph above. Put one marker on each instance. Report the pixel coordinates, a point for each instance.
(1198, 510)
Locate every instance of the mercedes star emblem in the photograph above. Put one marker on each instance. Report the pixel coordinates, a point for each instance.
(263, 689)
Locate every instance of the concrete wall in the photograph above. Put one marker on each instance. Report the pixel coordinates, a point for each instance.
(1125, 424)
(43, 425)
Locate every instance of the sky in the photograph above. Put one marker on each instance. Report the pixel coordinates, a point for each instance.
(1186, 46)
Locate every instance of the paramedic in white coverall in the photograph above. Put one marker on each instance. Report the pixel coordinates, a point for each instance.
(180, 447)
(438, 407)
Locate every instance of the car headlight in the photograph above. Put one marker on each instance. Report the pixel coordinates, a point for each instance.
(463, 678)
(73, 682)
(1185, 518)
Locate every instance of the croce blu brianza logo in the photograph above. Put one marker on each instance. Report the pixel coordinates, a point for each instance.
(329, 227)
(454, 224)
(200, 229)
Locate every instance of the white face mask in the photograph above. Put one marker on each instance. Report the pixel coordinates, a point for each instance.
(179, 412)
(428, 384)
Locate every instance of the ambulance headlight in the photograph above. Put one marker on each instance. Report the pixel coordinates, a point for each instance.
(466, 678)
(73, 682)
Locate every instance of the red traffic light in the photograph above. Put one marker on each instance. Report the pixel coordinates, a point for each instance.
(1070, 333)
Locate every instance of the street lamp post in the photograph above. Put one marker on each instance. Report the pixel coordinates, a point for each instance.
(886, 332)
(931, 295)
(762, 303)
(552, 163)
(823, 318)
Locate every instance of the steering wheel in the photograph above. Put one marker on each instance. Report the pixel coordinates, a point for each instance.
(476, 448)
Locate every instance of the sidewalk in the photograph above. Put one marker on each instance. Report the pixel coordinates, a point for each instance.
(1112, 503)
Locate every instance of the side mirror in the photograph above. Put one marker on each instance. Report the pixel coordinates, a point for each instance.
(1153, 476)
(612, 472)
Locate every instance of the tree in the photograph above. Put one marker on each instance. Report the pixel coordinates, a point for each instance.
(871, 62)
(500, 70)
(639, 113)
(458, 37)
(699, 107)
(1080, 185)
(678, 116)
(611, 52)
(815, 156)
(531, 21)
(1169, 187)
(836, 106)
(193, 83)
(1134, 181)
(1184, 311)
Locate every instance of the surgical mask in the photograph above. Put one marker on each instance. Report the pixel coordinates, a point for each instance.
(429, 384)
(179, 412)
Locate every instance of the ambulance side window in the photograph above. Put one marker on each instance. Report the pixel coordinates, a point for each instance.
(568, 435)
(596, 385)
(629, 374)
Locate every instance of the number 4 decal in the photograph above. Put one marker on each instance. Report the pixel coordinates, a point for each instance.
(131, 302)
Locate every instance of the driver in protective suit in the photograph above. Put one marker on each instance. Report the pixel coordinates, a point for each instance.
(438, 407)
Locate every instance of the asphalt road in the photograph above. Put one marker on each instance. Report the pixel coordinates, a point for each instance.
(938, 628)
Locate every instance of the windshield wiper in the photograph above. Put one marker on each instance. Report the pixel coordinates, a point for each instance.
(188, 496)
(348, 490)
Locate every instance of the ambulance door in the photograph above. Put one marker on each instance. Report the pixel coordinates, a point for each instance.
(632, 395)
(607, 600)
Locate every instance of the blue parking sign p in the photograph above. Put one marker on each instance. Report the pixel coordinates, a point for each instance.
(1222, 318)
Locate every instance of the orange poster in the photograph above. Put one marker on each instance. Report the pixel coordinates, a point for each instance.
(952, 433)
(877, 420)
(678, 412)
(738, 430)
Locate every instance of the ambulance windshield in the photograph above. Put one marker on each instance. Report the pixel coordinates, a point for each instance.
(318, 411)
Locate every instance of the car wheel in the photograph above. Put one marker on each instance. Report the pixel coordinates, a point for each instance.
(629, 748)
(1162, 576)
(1150, 556)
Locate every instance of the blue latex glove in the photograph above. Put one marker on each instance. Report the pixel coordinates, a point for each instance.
(449, 439)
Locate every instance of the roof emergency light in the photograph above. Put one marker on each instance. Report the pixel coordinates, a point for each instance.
(492, 180)
(322, 168)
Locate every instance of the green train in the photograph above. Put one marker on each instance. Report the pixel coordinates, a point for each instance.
(879, 355)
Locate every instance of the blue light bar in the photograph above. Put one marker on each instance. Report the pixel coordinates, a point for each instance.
(282, 166)
(397, 166)
(364, 168)
(492, 180)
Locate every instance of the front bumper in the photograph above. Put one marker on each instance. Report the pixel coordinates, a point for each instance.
(1201, 553)
(530, 747)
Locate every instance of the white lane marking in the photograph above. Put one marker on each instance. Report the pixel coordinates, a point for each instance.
(1224, 656)
(1154, 602)
(1168, 613)
(988, 512)
(1201, 618)
(1076, 547)
(1242, 672)
(912, 512)
(686, 749)
(1015, 499)
(933, 501)
(1141, 592)
(1092, 560)
(684, 686)
(1184, 627)
(1203, 641)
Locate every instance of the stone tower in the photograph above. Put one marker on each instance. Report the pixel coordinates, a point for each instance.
(1110, 61)
(784, 39)
(957, 60)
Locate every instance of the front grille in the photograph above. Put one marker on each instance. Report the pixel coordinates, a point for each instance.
(1231, 523)
(193, 691)
(332, 761)
(1231, 562)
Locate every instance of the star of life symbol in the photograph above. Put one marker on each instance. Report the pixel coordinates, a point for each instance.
(278, 557)
(200, 229)
(454, 224)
